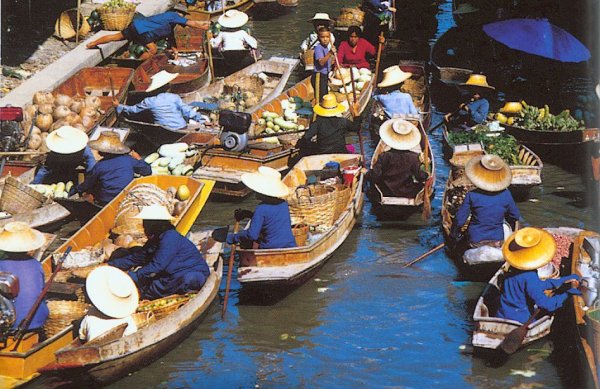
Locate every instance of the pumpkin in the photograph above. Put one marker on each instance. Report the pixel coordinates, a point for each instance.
(44, 121)
(63, 100)
(46, 108)
(92, 102)
(60, 112)
(77, 104)
(35, 141)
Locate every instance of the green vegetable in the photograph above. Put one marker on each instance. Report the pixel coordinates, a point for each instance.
(540, 119)
(504, 146)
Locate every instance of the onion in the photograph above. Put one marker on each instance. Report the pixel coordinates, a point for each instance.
(58, 124)
(63, 100)
(44, 121)
(77, 104)
(36, 130)
(35, 141)
(60, 112)
(39, 98)
(30, 109)
(46, 108)
(44, 147)
(72, 118)
(49, 97)
(92, 101)
(87, 111)
(88, 122)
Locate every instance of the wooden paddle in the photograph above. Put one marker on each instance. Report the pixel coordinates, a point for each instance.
(427, 188)
(229, 270)
(514, 339)
(423, 256)
(210, 58)
(360, 138)
(339, 72)
(377, 62)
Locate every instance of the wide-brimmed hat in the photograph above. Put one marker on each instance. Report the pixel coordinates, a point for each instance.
(112, 291)
(266, 181)
(399, 134)
(488, 172)
(321, 16)
(529, 248)
(394, 76)
(233, 19)
(390, 68)
(67, 140)
(511, 107)
(161, 78)
(477, 82)
(109, 142)
(18, 237)
(329, 106)
(154, 212)
(465, 8)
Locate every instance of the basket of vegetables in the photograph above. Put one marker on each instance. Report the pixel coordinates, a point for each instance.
(116, 14)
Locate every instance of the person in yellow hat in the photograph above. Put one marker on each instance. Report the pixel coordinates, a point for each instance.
(474, 111)
(526, 251)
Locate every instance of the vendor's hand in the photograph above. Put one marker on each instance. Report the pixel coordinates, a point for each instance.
(241, 214)
(462, 106)
(115, 102)
(447, 117)
(392, 9)
(135, 155)
(381, 39)
(205, 118)
(333, 49)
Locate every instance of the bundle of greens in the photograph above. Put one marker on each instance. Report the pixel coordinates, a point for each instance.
(503, 145)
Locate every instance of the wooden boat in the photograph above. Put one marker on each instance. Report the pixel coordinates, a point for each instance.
(553, 138)
(96, 81)
(271, 268)
(19, 367)
(490, 330)
(199, 13)
(405, 202)
(276, 69)
(190, 78)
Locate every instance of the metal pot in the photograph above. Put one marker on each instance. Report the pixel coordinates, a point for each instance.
(589, 289)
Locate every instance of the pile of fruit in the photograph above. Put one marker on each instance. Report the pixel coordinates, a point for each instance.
(164, 302)
(272, 122)
(58, 190)
(135, 51)
(540, 119)
(455, 197)
(113, 5)
(563, 246)
(172, 159)
(343, 86)
(503, 145)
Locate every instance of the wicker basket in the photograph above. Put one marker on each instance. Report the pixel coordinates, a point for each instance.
(19, 198)
(342, 197)
(166, 305)
(313, 205)
(252, 84)
(142, 319)
(64, 27)
(116, 19)
(62, 314)
(350, 17)
(300, 232)
(309, 59)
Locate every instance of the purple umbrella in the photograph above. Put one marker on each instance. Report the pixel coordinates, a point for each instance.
(538, 37)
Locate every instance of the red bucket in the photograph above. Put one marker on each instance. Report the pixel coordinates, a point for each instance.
(349, 173)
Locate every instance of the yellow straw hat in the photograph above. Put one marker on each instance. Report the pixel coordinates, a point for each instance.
(67, 140)
(18, 237)
(112, 291)
(266, 181)
(394, 76)
(512, 107)
(329, 107)
(478, 81)
(399, 134)
(529, 248)
(161, 78)
(488, 172)
(154, 212)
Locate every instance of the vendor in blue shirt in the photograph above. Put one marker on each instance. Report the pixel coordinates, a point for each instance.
(522, 290)
(474, 111)
(169, 263)
(114, 171)
(323, 59)
(389, 96)
(68, 151)
(17, 242)
(147, 30)
(271, 225)
(488, 205)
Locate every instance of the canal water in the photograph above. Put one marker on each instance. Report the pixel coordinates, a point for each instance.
(363, 321)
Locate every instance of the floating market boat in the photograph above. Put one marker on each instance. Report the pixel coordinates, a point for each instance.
(273, 268)
(198, 12)
(445, 82)
(559, 139)
(264, 80)
(21, 366)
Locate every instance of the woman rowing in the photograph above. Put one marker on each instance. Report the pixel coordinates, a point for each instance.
(236, 44)
(354, 51)
(393, 101)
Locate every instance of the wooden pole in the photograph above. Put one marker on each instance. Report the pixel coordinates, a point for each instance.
(317, 92)
(210, 58)
(375, 76)
(360, 138)
(229, 271)
(433, 250)
(78, 20)
(339, 71)
(427, 187)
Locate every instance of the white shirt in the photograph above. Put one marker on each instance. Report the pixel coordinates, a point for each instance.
(313, 40)
(234, 40)
(94, 325)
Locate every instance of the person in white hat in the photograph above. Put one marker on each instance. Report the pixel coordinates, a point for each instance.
(390, 98)
(167, 109)
(17, 242)
(115, 298)
(169, 263)
(397, 172)
(321, 19)
(235, 43)
(68, 151)
(271, 225)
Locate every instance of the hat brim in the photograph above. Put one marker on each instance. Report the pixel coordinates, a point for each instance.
(235, 22)
(155, 84)
(398, 141)
(399, 80)
(21, 246)
(464, 10)
(268, 186)
(529, 258)
(329, 112)
(99, 146)
(77, 142)
(485, 179)
(480, 88)
(97, 288)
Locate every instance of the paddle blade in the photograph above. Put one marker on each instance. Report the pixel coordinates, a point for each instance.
(220, 234)
(513, 341)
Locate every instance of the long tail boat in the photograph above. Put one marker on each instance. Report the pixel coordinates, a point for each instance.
(21, 366)
(274, 268)
(200, 13)
(409, 203)
(490, 330)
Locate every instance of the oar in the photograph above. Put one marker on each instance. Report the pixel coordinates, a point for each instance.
(22, 328)
(514, 339)
(112, 92)
(360, 138)
(210, 58)
(317, 93)
(377, 62)
(423, 256)
(339, 71)
(229, 271)
(427, 188)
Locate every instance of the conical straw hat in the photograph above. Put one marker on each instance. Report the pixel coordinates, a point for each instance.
(109, 142)
(161, 78)
(329, 107)
(488, 172)
(529, 248)
(399, 134)
(67, 140)
(18, 237)
(154, 212)
(266, 181)
(112, 291)
(233, 19)
(477, 81)
(394, 76)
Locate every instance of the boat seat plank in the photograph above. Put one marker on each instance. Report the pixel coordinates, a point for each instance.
(64, 289)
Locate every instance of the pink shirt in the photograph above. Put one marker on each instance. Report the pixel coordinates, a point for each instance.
(357, 58)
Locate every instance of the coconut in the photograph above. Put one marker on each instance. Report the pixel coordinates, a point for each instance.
(58, 124)
(44, 121)
(77, 104)
(35, 141)
(63, 100)
(30, 109)
(60, 112)
(72, 118)
(46, 108)
(92, 102)
(41, 98)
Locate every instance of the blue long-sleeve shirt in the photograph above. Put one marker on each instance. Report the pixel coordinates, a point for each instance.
(61, 167)
(320, 52)
(168, 110)
(524, 289)
(396, 102)
(271, 227)
(31, 281)
(111, 175)
(488, 211)
(158, 26)
(170, 264)
(478, 111)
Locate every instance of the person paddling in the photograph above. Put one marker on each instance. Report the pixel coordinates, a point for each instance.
(475, 110)
(390, 98)
(234, 42)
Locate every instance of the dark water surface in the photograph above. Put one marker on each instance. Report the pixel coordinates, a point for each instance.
(363, 321)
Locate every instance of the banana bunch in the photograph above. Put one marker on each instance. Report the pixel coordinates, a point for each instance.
(541, 119)
(164, 302)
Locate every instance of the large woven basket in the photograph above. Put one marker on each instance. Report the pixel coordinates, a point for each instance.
(251, 84)
(342, 198)
(62, 314)
(309, 59)
(142, 319)
(116, 19)
(64, 27)
(313, 205)
(350, 17)
(19, 198)
(166, 305)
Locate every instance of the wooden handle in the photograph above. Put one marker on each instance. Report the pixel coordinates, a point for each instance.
(229, 271)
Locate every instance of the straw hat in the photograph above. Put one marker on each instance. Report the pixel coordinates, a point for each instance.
(512, 107)
(477, 81)
(389, 69)
(399, 134)
(67, 140)
(266, 181)
(329, 107)
(321, 16)
(529, 248)
(161, 78)
(488, 172)
(154, 212)
(394, 76)
(465, 8)
(112, 291)
(18, 237)
(233, 19)
(109, 142)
